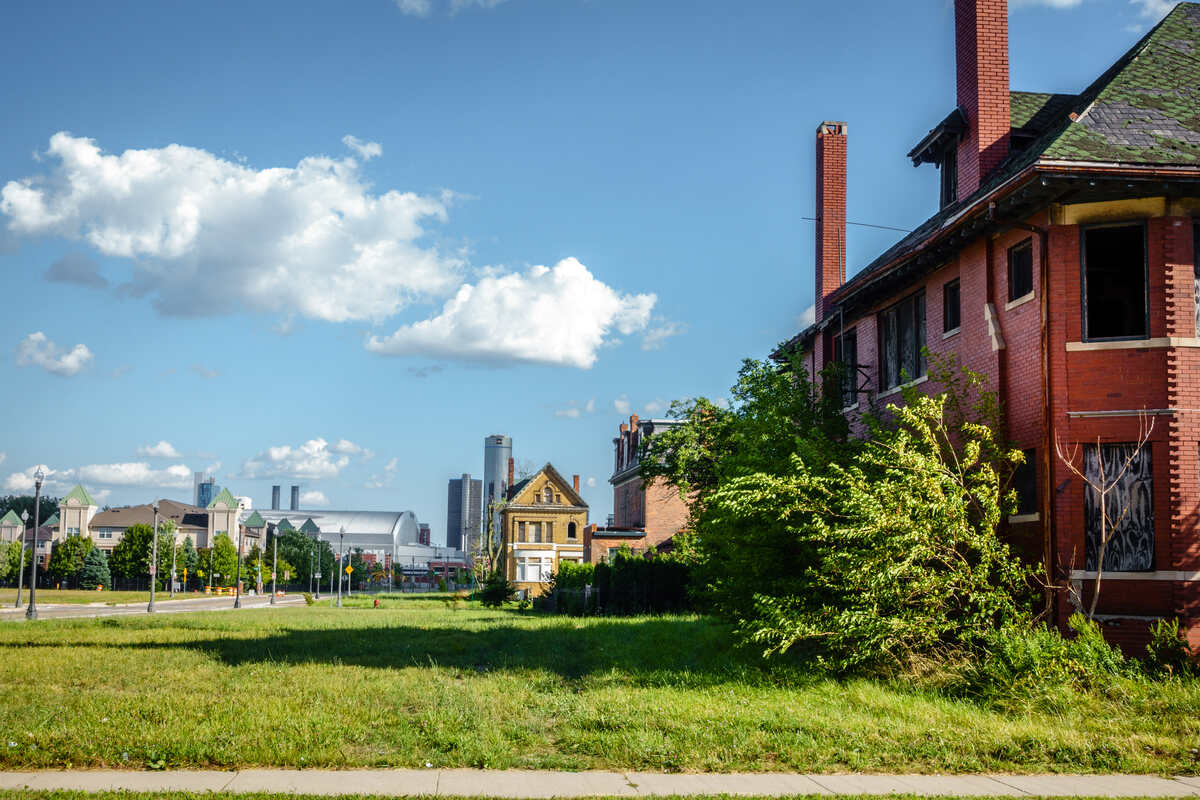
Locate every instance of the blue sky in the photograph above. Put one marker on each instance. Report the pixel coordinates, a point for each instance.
(337, 244)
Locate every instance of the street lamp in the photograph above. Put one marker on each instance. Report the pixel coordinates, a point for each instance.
(173, 548)
(21, 569)
(38, 477)
(153, 562)
(341, 549)
(237, 597)
(274, 564)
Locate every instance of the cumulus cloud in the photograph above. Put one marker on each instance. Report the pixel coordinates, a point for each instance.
(37, 350)
(348, 448)
(575, 411)
(417, 8)
(622, 405)
(656, 405)
(23, 481)
(205, 235)
(391, 465)
(807, 317)
(313, 499)
(163, 449)
(312, 460)
(76, 268)
(137, 473)
(560, 316)
(591, 483)
(655, 337)
(366, 150)
(424, 8)
(1154, 9)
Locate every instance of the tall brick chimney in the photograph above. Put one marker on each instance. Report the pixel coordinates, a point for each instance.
(575, 483)
(981, 49)
(831, 212)
(511, 470)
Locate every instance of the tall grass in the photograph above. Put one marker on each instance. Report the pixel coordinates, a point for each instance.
(418, 682)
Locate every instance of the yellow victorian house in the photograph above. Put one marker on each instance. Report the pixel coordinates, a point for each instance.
(542, 525)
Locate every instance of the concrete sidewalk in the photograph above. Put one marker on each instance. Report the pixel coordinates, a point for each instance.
(537, 784)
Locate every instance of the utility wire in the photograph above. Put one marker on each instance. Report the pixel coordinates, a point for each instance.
(868, 225)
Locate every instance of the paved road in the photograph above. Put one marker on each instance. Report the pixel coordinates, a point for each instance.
(538, 784)
(161, 606)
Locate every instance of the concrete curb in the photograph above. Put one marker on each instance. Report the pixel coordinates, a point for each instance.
(546, 784)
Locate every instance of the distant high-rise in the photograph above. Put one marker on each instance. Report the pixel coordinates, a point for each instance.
(464, 499)
(295, 498)
(497, 451)
(423, 533)
(205, 489)
(274, 498)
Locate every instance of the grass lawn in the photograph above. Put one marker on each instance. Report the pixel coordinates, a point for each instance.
(417, 682)
(76, 596)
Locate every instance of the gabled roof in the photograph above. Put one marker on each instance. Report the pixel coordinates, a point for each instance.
(554, 475)
(52, 521)
(224, 497)
(284, 525)
(80, 495)
(1143, 111)
(255, 520)
(11, 518)
(309, 527)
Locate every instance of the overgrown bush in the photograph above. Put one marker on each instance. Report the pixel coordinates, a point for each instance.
(495, 591)
(1168, 653)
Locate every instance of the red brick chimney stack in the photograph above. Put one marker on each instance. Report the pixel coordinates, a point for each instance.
(575, 483)
(511, 470)
(831, 212)
(981, 48)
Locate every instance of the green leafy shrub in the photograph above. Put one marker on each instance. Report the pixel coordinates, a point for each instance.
(95, 570)
(308, 599)
(495, 591)
(1168, 653)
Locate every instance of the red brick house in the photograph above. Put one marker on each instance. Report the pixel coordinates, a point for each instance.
(1062, 265)
(644, 517)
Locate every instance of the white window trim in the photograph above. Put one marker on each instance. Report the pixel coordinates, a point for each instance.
(901, 387)
(1020, 301)
(1035, 516)
(1135, 344)
(951, 332)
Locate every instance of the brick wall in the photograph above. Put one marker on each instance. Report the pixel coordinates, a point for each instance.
(981, 50)
(831, 212)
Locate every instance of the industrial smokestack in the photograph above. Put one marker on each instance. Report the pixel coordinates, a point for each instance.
(274, 498)
(295, 498)
(511, 470)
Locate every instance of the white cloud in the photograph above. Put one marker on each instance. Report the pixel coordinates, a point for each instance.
(37, 350)
(424, 8)
(557, 316)
(373, 483)
(462, 5)
(591, 483)
(807, 317)
(622, 405)
(205, 372)
(656, 405)
(313, 499)
(137, 473)
(1154, 9)
(23, 481)
(205, 235)
(366, 150)
(391, 465)
(312, 460)
(76, 268)
(655, 337)
(574, 411)
(163, 449)
(348, 448)
(417, 8)
(3, 457)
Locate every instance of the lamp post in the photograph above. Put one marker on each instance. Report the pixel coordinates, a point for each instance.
(274, 565)
(341, 550)
(210, 566)
(38, 477)
(173, 548)
(237, 597)
(153, 562)
(21, 569)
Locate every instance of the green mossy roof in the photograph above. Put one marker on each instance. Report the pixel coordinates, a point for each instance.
(78, 493)
(309, 526)
(11, 518)
(284, 525)
(255, 520)
(224, 497)
(51, 522)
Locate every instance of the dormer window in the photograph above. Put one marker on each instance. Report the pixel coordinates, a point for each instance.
(949, 177)
(548, 495)
(940, 147)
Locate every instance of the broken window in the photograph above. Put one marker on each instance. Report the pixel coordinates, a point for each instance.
(949, 177)
(1024, 483)
(902, 341)
(1114, 275)
(845, 353)
(1020, 270)
(951, 308)
(1128, 507)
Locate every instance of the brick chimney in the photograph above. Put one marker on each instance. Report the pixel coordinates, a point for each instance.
(511, 470)
(575, 483)
(831, 212)
(981, 48)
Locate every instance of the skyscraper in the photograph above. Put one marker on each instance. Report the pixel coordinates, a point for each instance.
(497, 450)
(464, 498)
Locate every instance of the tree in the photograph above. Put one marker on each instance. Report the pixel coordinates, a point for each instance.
(24, 502)
(130, 559)
(490, 571)
(67, 557)
(18, 559)
(188, 558)
(95, 570)
(5, 568)
(224, 561)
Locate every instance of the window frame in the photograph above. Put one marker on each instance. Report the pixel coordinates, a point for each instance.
(1083, 287)
(849, 387)
(919, 341)
(1029, 465)
(1024, 244)
(957, 284)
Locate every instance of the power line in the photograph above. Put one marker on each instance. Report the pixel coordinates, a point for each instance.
(868, 225)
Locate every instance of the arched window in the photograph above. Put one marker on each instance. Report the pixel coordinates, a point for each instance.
(571, 530)
(548, 494)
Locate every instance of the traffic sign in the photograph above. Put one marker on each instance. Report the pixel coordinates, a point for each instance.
(349, 570)
(317, 575)
(152, 570)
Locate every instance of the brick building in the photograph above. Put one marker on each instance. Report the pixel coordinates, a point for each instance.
(542, 524)
(644, 517)
(1062, 265)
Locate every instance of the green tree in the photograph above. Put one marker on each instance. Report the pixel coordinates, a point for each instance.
(187, 559)
(225, 561)
(130, 558)
(95, 570)
(15, 560)
(67, 557)
(5, 567)
(24, 502)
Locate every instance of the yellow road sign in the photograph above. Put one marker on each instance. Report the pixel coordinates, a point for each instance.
(349, 570)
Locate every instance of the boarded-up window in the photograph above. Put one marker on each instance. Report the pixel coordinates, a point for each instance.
(1130, 501)
(901, 341)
